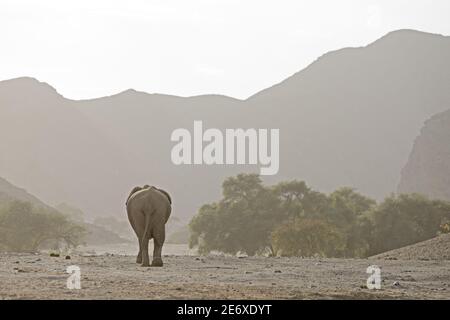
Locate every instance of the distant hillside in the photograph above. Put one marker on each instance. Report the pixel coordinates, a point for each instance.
(428, 168)
(96, 235)
(9, 192)
(348, 119)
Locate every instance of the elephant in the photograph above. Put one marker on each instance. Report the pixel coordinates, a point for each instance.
(148, 210)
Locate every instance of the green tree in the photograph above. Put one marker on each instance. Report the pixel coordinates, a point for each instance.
(308, 237)
(406, 219)
(348, 212)
(297, 200)
(241, 221)
(292, 219)
(205, 230)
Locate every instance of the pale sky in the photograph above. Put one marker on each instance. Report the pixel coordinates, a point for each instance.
(92, 48)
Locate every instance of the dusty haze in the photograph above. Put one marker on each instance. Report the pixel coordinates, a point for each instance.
(350, 118)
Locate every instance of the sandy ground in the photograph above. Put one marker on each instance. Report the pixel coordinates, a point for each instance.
(39, 276)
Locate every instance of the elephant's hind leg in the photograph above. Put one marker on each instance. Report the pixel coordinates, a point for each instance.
(139, 255)
(140, 235)
(159, 235)
(144, 251)
(137, 223)
(146, 236)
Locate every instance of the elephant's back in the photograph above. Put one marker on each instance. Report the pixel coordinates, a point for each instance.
(137, 199)
(148, 197)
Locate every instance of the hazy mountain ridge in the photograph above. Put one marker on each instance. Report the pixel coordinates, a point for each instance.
(349, 118)
(397, 38)
(50, 147)
(10, 192)
(428, 168)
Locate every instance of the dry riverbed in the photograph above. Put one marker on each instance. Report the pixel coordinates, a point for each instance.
(39, 276)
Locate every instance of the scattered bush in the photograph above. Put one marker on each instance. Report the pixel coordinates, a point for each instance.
(25, 228)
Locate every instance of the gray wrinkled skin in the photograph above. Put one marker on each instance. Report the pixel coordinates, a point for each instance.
(148, 210)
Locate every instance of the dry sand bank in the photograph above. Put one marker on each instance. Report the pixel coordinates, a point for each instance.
(437, 248)
(39, 276)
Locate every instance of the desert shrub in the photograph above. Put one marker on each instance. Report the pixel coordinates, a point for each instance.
(445, 227)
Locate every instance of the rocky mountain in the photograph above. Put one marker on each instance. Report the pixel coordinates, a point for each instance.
(52, 149)
(428, 168)
(9, 192)
(348, 119)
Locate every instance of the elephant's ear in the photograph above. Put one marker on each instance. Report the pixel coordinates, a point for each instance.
(135, 189)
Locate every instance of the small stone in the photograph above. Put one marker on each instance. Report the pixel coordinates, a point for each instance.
(396, 284)
(408, 278)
